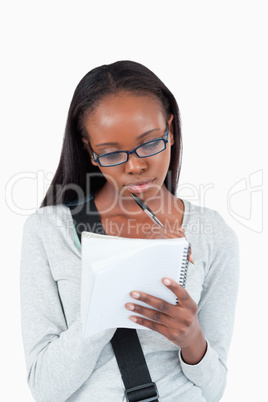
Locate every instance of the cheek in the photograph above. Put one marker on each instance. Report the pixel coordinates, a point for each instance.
(111, 176)
(164, 161)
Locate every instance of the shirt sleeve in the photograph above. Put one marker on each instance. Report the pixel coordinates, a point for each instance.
(216, 312)
(58, 359)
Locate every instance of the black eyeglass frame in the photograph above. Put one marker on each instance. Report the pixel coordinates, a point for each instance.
(134, 151)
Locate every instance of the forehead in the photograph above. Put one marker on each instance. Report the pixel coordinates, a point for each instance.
(125, 110)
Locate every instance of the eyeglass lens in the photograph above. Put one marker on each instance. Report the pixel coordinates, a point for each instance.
(145, 150)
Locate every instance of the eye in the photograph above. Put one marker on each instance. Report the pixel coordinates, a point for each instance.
(152, 145)
(111, 157)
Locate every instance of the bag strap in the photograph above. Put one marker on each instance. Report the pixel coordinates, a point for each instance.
(132, 365)
(125, 342)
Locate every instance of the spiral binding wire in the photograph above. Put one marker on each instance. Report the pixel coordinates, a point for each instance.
(184, 268)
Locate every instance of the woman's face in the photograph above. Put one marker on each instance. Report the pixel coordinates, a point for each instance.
(123, 122)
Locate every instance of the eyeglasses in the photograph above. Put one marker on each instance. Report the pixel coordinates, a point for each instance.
(143, 151)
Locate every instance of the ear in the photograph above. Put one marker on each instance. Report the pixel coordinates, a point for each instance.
(170, 129)
(87, 147)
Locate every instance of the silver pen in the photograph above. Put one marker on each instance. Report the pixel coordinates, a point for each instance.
(147, 210)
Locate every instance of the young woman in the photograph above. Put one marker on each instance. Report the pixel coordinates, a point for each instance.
(123, 136)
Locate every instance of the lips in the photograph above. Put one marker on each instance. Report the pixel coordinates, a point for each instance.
(139, 186)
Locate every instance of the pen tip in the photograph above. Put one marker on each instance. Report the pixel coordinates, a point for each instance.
(158, 221)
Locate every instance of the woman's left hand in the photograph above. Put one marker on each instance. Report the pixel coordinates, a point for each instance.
(178, 323)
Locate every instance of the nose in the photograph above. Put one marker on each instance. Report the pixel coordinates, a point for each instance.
(135, 164)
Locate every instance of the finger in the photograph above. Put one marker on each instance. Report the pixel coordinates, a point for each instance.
(158, 304)
(189, 254)
(153, 325)
(170, 333)
(153, 315)
(181, 293)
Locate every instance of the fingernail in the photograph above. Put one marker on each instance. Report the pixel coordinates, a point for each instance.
(136, 295)
(130, 306)
(134, 319)
(167, 282)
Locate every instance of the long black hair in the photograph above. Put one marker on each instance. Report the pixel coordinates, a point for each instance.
(70, 179)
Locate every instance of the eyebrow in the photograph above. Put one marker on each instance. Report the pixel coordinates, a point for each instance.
(139, 137)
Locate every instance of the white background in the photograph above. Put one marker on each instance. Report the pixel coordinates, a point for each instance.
(213, 57)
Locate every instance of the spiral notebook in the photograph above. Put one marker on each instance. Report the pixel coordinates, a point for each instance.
(114, 266)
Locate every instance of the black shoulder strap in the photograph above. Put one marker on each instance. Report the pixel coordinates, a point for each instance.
(133, 367)
(125, 342)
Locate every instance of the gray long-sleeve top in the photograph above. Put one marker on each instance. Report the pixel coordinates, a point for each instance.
(64, 366)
